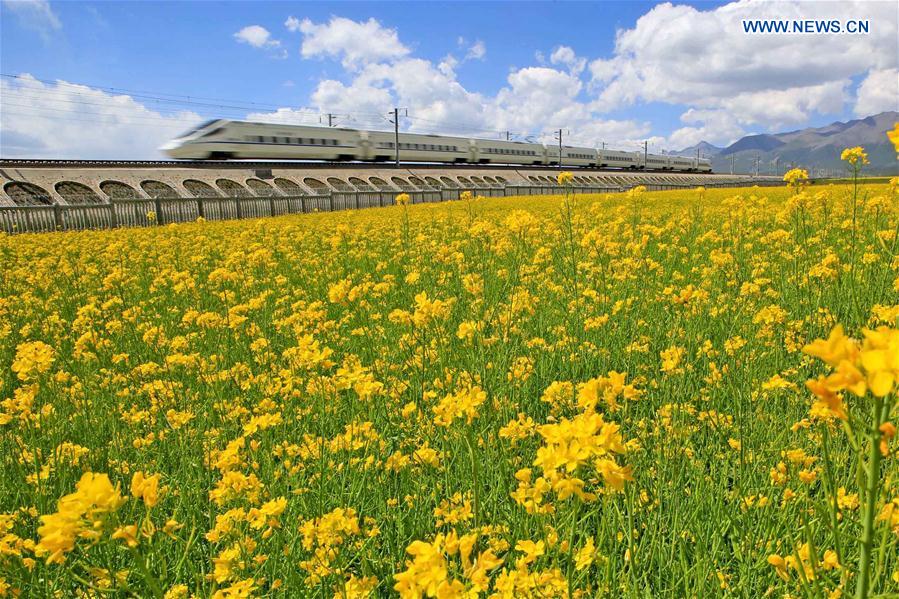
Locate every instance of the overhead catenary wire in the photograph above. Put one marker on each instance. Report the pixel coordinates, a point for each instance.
(58, 100)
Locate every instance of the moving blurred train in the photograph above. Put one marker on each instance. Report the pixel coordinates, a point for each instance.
(224, 140)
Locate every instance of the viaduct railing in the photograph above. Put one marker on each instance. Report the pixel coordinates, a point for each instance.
(145, 212)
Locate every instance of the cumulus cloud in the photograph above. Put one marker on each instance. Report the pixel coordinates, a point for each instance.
(565, 56)
(383, 74)
(354, 43)
(477, 51)
(878, 92)
(34, 14)
(63, 120)
(260, 37)
(702, 59)
(256, 35)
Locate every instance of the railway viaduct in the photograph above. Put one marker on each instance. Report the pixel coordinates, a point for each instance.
(39, 182)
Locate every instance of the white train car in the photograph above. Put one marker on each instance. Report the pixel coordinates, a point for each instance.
(681, 163)
(573, 156)
(235, 139)
(619, 159)
(380, 146)
(654, 162)
(704, 165)
(507, 152)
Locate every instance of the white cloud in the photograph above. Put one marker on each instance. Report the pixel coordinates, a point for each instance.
(35, 14)
(260, 37)
(383, 75)
(565, 56)
(63, 120)
(448, 65)
(477, 51)
(292, 24)
(354, 43)
(702, 58)
(878, 92)
(705, 125)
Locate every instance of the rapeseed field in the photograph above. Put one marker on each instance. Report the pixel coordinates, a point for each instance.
(668, 394)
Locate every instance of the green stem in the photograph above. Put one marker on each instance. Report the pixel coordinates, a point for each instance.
(145, 572)
(871, 495)
(475, 469)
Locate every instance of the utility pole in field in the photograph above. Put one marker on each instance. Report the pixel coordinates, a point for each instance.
(646, 155)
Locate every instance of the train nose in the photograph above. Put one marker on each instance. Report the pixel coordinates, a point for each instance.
(173, 149)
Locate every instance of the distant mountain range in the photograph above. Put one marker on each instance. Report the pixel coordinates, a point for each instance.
(817, 148)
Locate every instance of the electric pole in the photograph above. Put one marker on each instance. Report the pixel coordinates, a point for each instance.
(330, 120)
(560, 148)
(646, 155)
(396, 132)
(508, 135)
(732, 162)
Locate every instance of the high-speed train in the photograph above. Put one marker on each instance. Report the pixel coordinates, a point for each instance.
(224, 139)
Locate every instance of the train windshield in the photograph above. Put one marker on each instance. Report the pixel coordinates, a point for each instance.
(190, 132)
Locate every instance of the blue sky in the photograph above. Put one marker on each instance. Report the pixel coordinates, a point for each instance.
(613, 71)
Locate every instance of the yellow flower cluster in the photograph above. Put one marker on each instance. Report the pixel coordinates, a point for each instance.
(872, 365)
(796, 177)
(854, 156)
(79, 515)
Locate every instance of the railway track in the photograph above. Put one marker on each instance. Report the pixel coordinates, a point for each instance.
(252, 164)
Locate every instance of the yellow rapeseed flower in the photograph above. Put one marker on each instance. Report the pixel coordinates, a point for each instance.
(796, 177)
(565, 178)
(854, 156)
(893, 136)
(32, 358)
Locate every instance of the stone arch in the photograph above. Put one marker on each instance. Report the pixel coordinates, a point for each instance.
(158, 189)
(448, 182)
(23, 193)
(77, 193)
(315, 185)
(232, 188)
(260, 188)
(360, 184)
(465, 181)
(116, 190)
(379, 184)
(433, 182)
(401, 183)
(199, 189)
(339, 184)
(289, 187)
